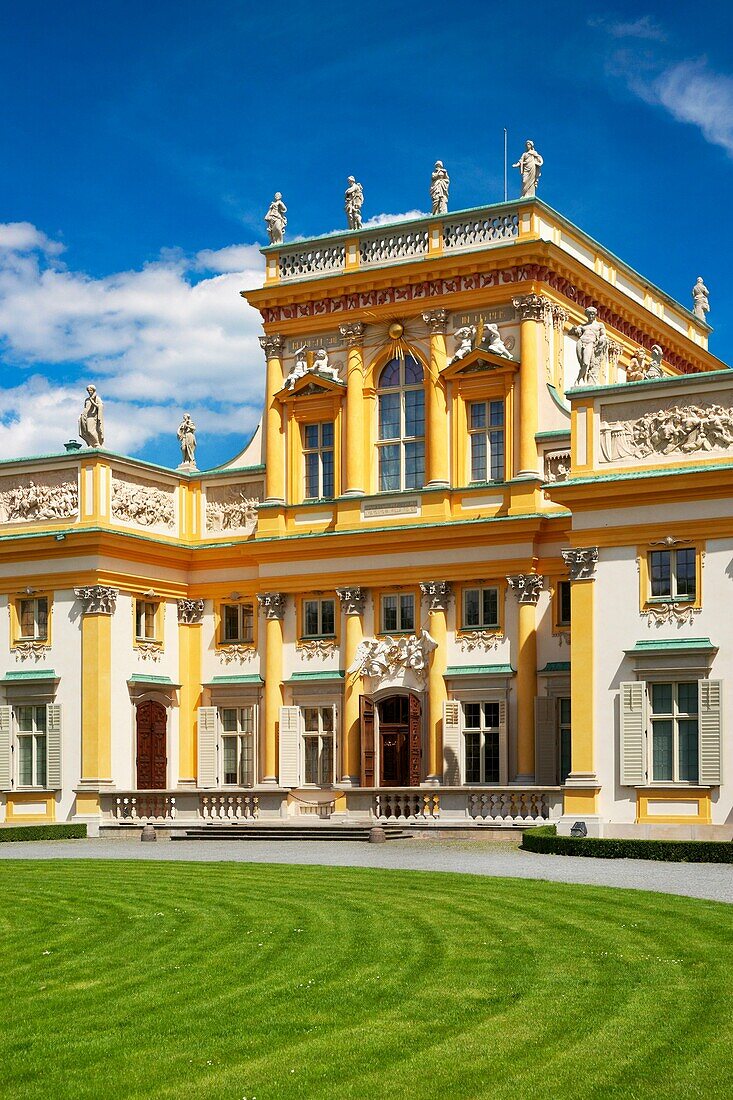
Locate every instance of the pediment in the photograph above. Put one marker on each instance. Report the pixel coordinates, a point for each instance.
(477, 361)
(312, 384)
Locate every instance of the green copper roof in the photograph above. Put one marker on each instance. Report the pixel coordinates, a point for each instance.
(479, 670)
(556, 666)
(667, 645)
(309, 677)
(149, 678)
(248, 678)
(22, 676)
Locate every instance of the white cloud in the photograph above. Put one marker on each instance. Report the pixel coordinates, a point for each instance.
(694, 94)
(645, 28)
(154, 340)
(389, 219)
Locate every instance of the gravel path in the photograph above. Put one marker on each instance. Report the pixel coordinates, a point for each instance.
(711, 881)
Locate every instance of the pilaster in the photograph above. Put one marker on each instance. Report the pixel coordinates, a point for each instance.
(272, 345)
(353, 434)
(352, 604)
(526, 588)
(190, 619)
(438, 594)
(534, 311)
(436, 421)
(98, 605)
(273, 606)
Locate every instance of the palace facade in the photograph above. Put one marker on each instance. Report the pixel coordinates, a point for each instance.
(467, 570)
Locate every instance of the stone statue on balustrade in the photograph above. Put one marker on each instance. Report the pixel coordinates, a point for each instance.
(700, 302)
(654, 370)
(591, 347)
(91, 420)
(439, 185)
(353, 202)
(464, 338)
(491, 341)
(530, 168)
(187, 438)
(275, 219)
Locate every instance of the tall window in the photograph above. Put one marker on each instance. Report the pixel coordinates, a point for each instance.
(31, 738)
(401, 431)
(480, 607)
(674, 716)
(33, 618)
(237, 623)
(238, 745)
(481, 734)
(565, 738)
(486, 433)
(398, 613)
(319, 618)
(563, 603)
(672, 574)
(319, 728)
(145, 625)
(318, 454)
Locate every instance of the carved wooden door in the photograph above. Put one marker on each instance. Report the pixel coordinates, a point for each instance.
(366, 724)
(152, 761)
(415, 741)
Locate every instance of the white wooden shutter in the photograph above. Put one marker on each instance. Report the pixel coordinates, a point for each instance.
(53, 746)
(206, 775)
(545, 741)
(451, 742)
(633, 733)
(503, 743)
(336, 746)
(288, 771)
(711, 729)
(6, 759)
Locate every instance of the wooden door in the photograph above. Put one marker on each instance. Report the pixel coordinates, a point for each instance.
(152, 761)
(366, 724)
(394, 757)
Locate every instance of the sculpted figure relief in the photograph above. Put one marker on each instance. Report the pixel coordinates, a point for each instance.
(654, 370)
(300, 369)
(636, 370)
(681, 429)
(275, 219)
(91, 420)
(464, 338)
(700, 303)
(187, 438)
(591, 347)
(491, 341)
(439, 185)
(353, 202)
(382, 657)
(31, 500)
(322, 365)
(530, 167)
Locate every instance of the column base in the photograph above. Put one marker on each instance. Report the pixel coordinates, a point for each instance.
(432, 781)
(348, 782)
(438, 483)
(354, 493)
(275, 500)
(186, 785)
(525, 780)
(529, 474)
(269, 781)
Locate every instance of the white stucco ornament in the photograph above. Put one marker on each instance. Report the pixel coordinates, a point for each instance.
(464, 338)
(491, 341)
(385, 658)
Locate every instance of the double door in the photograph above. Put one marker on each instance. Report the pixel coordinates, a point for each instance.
(398, 761)
(152, 755)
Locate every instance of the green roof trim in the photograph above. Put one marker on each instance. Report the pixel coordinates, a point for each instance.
(248, 678)
(669, 645)
(648, 383)
(310, 677)
(22, 676)
(150, 678)
(555, 666)
(562, 433)
(554, 394)
(479, 670)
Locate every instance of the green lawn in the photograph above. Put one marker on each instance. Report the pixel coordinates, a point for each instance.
(224, 981)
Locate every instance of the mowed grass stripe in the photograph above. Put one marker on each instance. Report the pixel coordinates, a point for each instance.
(230, 980)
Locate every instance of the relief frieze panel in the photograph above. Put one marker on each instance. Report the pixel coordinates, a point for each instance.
(630, 432)
(142, 503)
(233, 507)
(48, 496)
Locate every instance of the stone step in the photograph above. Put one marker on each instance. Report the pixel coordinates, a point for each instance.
(277, 831)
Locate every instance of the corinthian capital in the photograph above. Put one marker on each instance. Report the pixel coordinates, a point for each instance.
(581, 562)
(271, 343)
(272, 603)
(526, 586)
(437, 594)
(559, 316)
(352, 332)
(97, 599)
(532, 307)
(436, 320)
(190, 612)
(352, 599)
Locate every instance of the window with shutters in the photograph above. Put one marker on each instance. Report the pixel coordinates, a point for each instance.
(674, 741)
(482, 744)
(30, 745)
(236, 623)
(318, 618)
(318, 451)
(238, 741)
(397, 613)
(319, 745)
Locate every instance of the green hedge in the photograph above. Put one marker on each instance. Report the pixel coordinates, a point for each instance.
(545, 839)
(65, 831)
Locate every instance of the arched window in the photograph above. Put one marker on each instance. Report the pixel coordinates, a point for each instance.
(401, 432)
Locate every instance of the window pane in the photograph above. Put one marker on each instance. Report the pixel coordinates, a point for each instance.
(496, 439)
(24, 718)
(491, 607)
(247, 719)
(564, 595)
(42, 618)
(248, 621)
(390, 376)
(472, 715)
(149, 620)
(247, 749)
(407, 612)
(389, 416)
(327, 466)
(414, 465)
(228, 717)
(686, 581)
(478, 457)
(565, 749)
(687, 698)
(40, 777)
(229, 745)
(389, 468)
(659, 572)
(688, 749)
(25, 761)
(327, 719)
(496, 414)
(327, 433)
(413, 371)
(477, 417)
(27, 618)
(327, 617)
(473, 758)
(311, 759)
(326, 776)
(311, 435)
(491, 715)
(41, 719)
(310, 719)
(231, 622)
(414, 413)
(389, 613)
(564, 712)
(471, 607)
(661, 698)
(662, 738)
(491, 757)
(312, 488)
(310, 617)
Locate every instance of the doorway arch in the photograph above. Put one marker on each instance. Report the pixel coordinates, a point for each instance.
(398, 729)
(151, 726)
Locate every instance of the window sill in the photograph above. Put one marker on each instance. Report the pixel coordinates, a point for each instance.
(317, 638)
(655, 600)
(396, 633)
(493, 628)
(679, 785)
(249, 644)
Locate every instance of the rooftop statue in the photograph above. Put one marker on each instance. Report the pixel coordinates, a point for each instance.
(91, 420)
(187, 438)
(353, 202)
(654, 370)
(530, 166)
(700, 303)
(591, 347)
(275, 219)
(636, 370)
(439, 184)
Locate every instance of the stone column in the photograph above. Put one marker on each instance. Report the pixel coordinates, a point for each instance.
(190, 618)
(272, 345)
(353, 440)
(580, 798)
(437, 594)
(533, 310)
(352, 604)
(273, 605)
(527, 588)
(436, 418)
(98, 606)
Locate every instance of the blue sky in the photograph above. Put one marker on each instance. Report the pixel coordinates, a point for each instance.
(141, 143)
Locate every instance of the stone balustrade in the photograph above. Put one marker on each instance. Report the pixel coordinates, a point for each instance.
(144, 806)
(229, 807)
